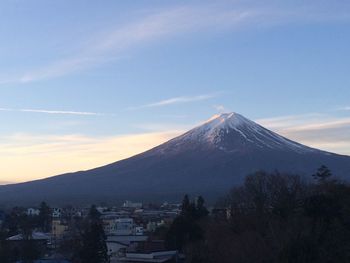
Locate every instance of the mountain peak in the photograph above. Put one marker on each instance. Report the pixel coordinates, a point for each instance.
(227, 120)
(231, 132)
(220, 125)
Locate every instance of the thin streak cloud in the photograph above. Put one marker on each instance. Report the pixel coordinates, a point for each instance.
(52, 111)
(175, 100)
(346, 108)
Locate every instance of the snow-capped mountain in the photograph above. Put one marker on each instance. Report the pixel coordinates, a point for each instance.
(232, 132)
(207, 160)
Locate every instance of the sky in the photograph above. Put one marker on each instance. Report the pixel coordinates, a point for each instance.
(86, 83)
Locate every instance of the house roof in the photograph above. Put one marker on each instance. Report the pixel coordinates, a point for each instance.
(151, 260)
(35, 236)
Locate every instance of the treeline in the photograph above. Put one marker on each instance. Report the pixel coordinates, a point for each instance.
(272, 217)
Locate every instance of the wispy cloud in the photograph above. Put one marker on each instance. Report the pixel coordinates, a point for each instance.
(52, 111)
(175, 100)
(150, 28)
(322, 131)
(153, 26)
(163, 127)
(292, 120)
(345, 108)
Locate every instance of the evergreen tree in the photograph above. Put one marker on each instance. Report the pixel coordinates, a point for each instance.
(26, 227)
(94, 214)
(322, 174)
(44, 217)
(185, 207)
(94, 248)
(186, 228)
(28, 251)
(12, 221)
(201, 210)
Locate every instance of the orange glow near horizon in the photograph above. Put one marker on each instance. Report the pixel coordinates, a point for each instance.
(44, 156)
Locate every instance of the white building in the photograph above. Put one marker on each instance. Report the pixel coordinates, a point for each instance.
(33, 212)
(101, 209)
(129, 204)
(56, 213)
(117, 245)
(139, 231)
(124, 226)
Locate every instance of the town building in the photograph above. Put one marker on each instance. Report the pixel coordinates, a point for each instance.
(33, 212)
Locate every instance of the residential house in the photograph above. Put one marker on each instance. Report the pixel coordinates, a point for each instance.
(129, 204)
(56, 212)
(33, 212)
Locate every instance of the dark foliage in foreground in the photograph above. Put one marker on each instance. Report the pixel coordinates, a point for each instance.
(94, 249)
(87, 240)
(186, 228)
(19, 223)
(274, 218)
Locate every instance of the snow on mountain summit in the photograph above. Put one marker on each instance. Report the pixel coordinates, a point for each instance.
(234, 132)
(227, 121)
(213, 129)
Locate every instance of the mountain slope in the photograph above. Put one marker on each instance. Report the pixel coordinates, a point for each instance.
(206, 160)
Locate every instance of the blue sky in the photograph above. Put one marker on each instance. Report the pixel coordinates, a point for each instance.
(84, 83)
